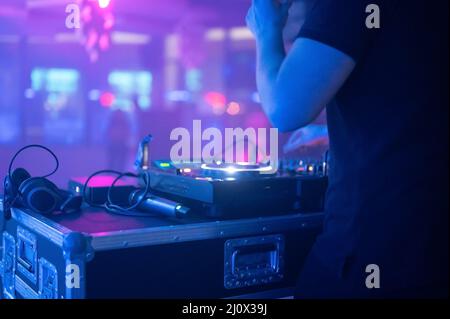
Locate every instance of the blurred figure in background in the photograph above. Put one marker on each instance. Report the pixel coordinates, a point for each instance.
(119, 137)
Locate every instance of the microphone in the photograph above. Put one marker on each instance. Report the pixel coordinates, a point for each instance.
(159, 205)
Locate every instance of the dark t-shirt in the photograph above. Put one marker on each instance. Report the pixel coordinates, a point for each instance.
(387, 202)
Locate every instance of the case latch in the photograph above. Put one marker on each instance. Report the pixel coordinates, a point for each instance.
(253, 261)
(27, 254)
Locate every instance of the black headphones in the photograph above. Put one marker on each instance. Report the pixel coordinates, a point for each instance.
(36, 193)
(109, 204)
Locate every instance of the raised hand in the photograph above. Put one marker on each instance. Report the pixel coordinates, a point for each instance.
(266, 18)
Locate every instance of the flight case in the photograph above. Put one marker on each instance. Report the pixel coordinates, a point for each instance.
(95, 254)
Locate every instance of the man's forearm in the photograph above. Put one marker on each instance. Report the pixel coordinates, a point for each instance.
(270, 56)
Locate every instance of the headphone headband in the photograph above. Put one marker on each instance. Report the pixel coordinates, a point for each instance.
(34, 146)
(36, 193)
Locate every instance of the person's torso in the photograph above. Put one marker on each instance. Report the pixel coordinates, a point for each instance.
(389, 140)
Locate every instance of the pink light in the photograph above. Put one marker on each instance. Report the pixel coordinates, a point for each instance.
(215, 99)
(233, 108)
(104, 42)
(103, 181)
(109, 21)
(103, 4)
(92, 39)
(107, 99)
(86, 14)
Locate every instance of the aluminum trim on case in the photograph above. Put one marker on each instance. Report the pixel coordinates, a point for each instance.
(201, 231)
(77, 250)
(47, 270)
(43, 226)
(24, 290)
(9, 265)
(76, 292)
(2, 217)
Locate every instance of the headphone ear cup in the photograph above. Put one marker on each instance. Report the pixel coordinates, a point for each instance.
(40, 195)
(72, 204)
(18, 176)
(8, 189)
(69, 202)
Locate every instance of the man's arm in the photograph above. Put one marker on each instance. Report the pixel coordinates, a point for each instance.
(294, 88)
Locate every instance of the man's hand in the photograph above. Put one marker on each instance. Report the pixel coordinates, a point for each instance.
(267, 18)
(311, 135)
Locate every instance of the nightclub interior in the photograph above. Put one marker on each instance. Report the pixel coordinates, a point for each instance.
(159, 115)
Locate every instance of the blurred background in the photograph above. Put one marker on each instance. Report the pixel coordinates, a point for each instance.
(133, 67)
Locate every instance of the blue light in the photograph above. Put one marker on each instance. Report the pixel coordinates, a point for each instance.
(55, 80)
(144, 102)
(178, 96)
(194, 80)
(128, 85)
(131, 82)
(121, 81)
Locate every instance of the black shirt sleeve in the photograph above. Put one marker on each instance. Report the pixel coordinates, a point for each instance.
(340, 24)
